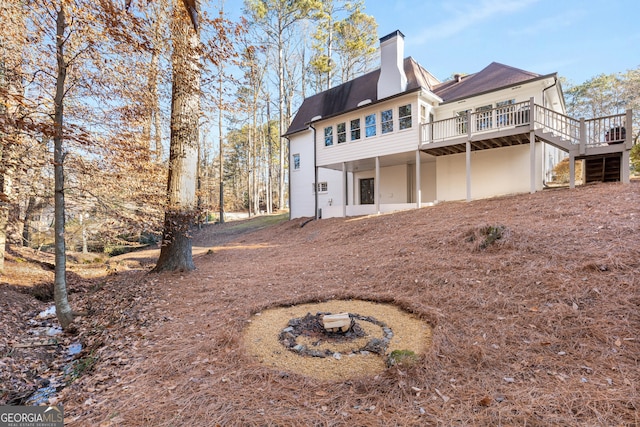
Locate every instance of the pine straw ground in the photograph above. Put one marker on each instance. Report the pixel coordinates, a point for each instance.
(540, 327)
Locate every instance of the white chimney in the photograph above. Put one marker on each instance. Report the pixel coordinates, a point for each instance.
(392, 78)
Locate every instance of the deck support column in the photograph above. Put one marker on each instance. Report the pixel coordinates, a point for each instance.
(376, 182)
(418, 179)
(572, 170)
(532, 159)
(624, 167)
(468, 159)
(344, 190)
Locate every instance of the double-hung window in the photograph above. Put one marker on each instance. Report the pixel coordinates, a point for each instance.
(370, 125)
(342, 132)
(328, 136)
(386, 121)
(404, 117)
(355, 129)
(296, 161)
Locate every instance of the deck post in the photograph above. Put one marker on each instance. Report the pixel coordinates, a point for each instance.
(532, 159)
(418, 179)
(376, 196)
(344, 190)
(583, 137)
(468, 158)
(624, 166)
(629, 125)
(532, 112)
(572, 170)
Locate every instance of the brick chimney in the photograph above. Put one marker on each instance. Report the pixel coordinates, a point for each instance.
(392, 78)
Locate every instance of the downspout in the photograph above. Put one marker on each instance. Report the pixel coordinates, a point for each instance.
(544, 146)
(315, 172)
(289, 180)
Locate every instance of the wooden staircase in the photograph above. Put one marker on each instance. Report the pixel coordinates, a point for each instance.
(603, 168)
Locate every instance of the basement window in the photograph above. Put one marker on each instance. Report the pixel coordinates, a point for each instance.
(322, 188)
(328, 136)
(386, 121)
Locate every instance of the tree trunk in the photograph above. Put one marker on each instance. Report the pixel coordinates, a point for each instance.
(181, 212)
(221, 159)
(32, 205)
(63, 309)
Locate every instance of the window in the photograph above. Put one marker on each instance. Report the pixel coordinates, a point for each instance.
(342, 132)
(483, 117)
(423, 114)
(404, 117)
(504, 112)
(386, 121)
(296, 161)
(461, 121)
(355, 129)
(328, 136)
(370, 123)
(322, 187)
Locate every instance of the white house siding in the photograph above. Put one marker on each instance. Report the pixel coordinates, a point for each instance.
(428, 181)
(494, 172)
(398, 141)
(301, 194)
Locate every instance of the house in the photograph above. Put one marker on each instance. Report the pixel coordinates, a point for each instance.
(397, 138)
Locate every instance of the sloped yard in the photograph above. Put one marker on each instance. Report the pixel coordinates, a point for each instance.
(532, 301)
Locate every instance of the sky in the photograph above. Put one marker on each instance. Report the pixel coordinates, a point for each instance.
(578, 39)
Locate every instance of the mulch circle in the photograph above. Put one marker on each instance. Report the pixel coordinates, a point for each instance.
(293, 339)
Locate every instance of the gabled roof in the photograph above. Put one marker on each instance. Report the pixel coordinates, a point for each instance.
(494, 76)
(346, 97)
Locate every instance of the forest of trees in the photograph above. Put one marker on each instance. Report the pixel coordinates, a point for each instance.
(110, 111)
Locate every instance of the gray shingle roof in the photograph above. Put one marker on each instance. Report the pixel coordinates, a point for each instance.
(347, 96)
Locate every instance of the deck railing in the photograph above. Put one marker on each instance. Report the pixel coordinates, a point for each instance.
(557, 124)
(598, 131)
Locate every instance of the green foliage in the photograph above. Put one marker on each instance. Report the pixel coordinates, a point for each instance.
(607, 94)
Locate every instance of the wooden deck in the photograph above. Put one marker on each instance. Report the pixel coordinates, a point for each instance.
(516, 124)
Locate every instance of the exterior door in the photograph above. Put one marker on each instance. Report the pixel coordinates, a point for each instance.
(367, 190)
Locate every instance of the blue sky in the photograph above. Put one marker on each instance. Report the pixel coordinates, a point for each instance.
(578, 39)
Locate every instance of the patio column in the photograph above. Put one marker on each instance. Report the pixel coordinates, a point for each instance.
(532, 158)
(376, 196)
(344, 190)
(468, 158)
(418, 189)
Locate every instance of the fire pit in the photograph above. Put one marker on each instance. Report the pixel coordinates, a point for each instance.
(335, 339)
